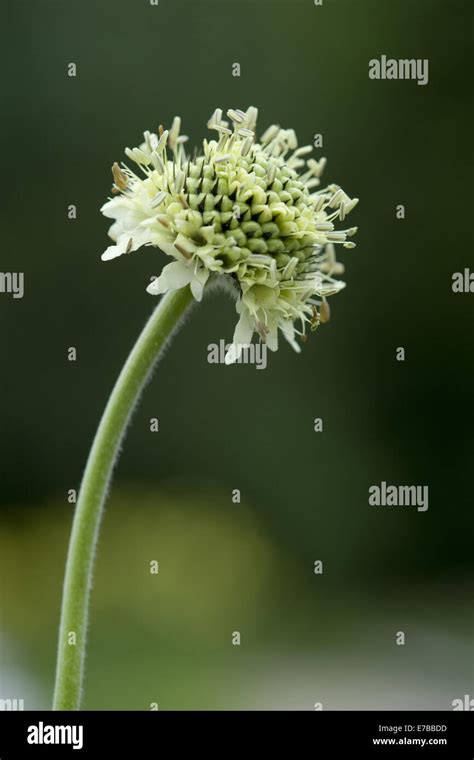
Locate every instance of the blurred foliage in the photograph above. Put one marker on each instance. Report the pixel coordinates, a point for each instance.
(166, 638)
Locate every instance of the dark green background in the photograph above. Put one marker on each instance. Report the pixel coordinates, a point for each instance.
(247, 567)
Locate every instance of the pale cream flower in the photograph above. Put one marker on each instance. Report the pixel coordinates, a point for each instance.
(241, 211)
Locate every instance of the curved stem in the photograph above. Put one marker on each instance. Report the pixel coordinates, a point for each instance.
(103, 455)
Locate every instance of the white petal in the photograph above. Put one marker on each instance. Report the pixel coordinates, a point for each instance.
(126, 243)
(170, 250)
(329, 288)
(243, 332)
(197, 283)
(173, 277)
(113, 208)
(272, 338)
(288, 329)
(113, 251)
(140, 236)
(244, 329)
(231, 355)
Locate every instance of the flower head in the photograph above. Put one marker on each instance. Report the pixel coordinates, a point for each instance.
(246, 212)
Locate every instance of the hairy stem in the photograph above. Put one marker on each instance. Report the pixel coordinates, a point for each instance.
(100, 464)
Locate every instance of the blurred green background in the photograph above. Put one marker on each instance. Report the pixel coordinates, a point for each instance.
(245, 567)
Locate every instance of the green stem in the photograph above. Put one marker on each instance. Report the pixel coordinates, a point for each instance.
(89, 508)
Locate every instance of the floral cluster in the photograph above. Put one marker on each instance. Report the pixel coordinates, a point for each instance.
(250, 212)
